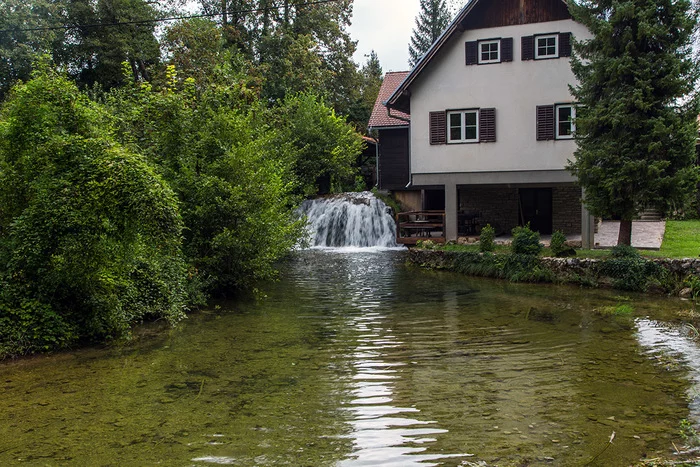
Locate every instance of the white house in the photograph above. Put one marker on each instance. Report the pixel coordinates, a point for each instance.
(491, 119)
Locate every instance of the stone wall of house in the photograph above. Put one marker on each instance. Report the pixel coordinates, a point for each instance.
(498, 205)
(566, 209)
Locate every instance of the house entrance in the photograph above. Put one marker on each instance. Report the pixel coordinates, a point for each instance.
(536, 208)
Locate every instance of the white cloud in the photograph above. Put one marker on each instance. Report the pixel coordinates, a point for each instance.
(384, 26)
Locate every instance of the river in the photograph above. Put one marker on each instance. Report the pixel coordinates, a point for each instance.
(355, 359)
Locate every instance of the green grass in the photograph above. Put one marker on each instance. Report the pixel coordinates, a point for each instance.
(682, 240)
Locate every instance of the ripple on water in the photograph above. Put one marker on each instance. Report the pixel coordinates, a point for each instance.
(356, 360)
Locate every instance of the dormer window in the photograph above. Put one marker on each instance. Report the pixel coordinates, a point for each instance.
(546, 46)
(489, 51)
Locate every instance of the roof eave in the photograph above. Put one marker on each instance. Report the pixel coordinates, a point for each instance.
(401, 93)
(400, 99)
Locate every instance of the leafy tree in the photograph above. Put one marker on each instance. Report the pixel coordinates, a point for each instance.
(326, 146)
(96, 53)
(636, 122)
(89, 234)
(371, 80)
(432, 20)
(20, 48)
(229, 169)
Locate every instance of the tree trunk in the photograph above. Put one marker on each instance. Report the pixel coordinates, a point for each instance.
(625, 235)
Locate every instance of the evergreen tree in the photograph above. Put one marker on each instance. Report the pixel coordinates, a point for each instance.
(636, 119)
(432, 20)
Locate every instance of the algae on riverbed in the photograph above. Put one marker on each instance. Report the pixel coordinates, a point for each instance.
(354, 359)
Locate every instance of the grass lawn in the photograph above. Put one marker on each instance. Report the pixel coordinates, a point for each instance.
(682, 240)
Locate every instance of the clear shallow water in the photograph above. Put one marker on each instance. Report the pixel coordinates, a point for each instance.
(357, 360)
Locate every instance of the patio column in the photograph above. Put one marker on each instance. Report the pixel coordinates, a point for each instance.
(450, 212)
(587, 226)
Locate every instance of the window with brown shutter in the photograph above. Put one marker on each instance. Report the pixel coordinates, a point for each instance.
(565, 44)
(438, 127)
(471, 52)
(545, 122)
(507, 49)
(527, 48)
(487, 125)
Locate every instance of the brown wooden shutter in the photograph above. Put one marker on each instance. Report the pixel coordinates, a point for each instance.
(471, 52)
(545, 122)
(487, 125)
(438, 127)
(507, 49)
(565, 44)
(527, 47)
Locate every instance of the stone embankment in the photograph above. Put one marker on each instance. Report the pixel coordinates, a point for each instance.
(661, 275)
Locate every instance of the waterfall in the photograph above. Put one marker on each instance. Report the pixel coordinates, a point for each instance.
(349, 220)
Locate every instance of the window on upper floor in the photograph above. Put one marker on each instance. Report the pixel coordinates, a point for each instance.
(489, 51)
(566, 124)
(486, 51)
(546, 46)
(556, 121)
(463, 126)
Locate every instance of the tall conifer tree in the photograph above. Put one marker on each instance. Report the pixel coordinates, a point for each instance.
(432, 20)
(636, 120)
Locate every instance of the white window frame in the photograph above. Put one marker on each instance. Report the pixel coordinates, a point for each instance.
(498, 51)
(556, 46)
(462, 138)
(558, 135)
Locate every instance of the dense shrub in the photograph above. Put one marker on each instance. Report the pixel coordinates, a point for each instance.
(632, 272)
(525, 241)
(486, 237)
(557, 244)
(624, 251)
(479, 264)
(231, 171)
(90, 235)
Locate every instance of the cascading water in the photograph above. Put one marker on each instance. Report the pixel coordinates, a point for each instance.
(350, 220)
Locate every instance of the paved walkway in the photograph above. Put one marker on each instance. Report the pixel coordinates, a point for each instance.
(646, 235)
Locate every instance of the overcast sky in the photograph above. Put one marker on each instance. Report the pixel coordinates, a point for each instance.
(384, 26)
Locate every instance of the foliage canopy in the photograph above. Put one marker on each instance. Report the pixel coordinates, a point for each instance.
(636, 123)
(89, 234)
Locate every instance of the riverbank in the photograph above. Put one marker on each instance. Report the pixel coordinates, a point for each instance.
(635, 273)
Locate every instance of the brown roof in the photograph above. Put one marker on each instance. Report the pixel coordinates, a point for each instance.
(380, 117)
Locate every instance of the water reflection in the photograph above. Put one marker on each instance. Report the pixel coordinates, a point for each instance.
(356, 360)
(383, 434)
(672, 347)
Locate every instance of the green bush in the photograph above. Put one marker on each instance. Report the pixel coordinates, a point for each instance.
(90, 235)
(624, 251)
(526, 268)
(486, 237)
(479, 264)
(232, 171)
(630, 271)
(557, 243)
(525, 241)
